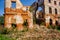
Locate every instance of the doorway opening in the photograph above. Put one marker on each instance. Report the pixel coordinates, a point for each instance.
(50, 21)
(14, 26)
(25, 23)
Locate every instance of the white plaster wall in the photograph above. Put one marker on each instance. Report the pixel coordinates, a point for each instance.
(58, 11)
(7, 3)
(24, 9)
(47, 19)
(52, 5)
(18, 4)
(53, 10)
(46, 10)
(19, 19)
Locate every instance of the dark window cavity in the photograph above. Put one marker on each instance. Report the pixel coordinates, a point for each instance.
(55, 11)
(55, 2)
(49, 1)
(59, 3)
(50, 10)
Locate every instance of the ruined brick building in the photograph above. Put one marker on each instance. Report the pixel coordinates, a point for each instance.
(51, 11)
(17, 14)
(21, 13)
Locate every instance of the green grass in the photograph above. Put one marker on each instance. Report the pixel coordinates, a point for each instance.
(4, 37)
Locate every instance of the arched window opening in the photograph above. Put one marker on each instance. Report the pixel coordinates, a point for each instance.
(50, 21)
(14, 25)
(56, 22)
(50, 10)
(55, 11)
(49, 1)
(55, 2)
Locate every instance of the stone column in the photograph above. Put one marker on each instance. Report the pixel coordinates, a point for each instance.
(30, 21)
(53, 11)
(37, 14)
(53, 22)
(47, 21)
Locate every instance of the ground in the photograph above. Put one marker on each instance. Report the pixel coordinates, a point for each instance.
(37, 33)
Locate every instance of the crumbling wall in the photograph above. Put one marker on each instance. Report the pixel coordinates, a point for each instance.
(17, 15)
(53, 16)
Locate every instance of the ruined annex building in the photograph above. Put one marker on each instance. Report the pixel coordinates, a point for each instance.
(21, 13)
(17, 15)
(52, 12)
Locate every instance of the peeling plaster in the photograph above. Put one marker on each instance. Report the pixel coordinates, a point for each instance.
(19, 19)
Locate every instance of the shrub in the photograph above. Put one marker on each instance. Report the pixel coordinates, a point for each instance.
(4, 30)
(4, 37)
(54, 27)
(51, 26)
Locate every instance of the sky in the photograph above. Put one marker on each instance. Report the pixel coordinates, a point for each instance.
(24, 2)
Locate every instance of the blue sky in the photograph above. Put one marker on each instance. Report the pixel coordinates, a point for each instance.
(24, 2)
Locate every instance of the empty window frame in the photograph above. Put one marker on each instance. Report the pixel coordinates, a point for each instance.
(55, 11)
(13, 5)
(50, 10)
(49, 1)
(55, 2)
(59, 3)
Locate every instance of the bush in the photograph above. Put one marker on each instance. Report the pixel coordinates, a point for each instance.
(4, 30)
(25, 23)
(54, 27)
(58, 27)
(1, 20)
(4, 37)
(51, 26)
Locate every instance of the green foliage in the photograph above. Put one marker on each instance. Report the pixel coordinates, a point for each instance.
(4, 30)
(13, 26)
(31, 9)
(42, 23)
(51, 27)
(34, 20)
(25, 23)
(4, 37)
(54, 27)
(1, 20)
(57, 27)
(25, 29)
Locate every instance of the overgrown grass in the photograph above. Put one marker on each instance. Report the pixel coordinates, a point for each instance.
(4, 37)
(54, 27)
